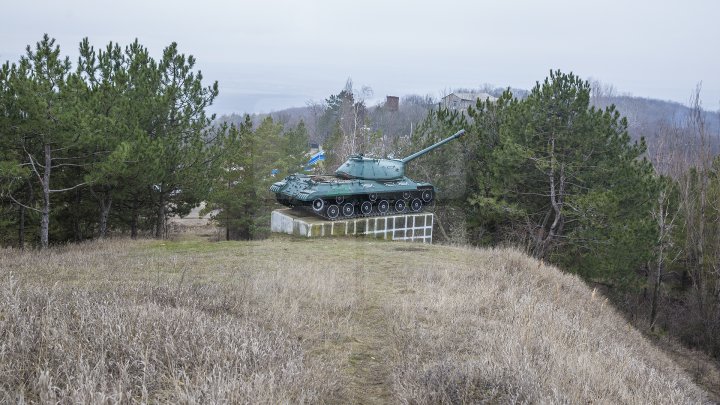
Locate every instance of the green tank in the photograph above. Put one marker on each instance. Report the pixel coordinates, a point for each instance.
(361, 187)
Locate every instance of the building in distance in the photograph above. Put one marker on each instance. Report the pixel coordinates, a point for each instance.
(461, 101)
(392, 103)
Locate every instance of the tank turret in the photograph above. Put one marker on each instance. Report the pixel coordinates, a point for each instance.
(361, 167)
(362, 186)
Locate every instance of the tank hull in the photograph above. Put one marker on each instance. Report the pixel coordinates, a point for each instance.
(336, 198)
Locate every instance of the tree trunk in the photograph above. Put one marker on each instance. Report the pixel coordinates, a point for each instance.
(160, 225)
(656, 288)
(105, 205)
(134, 226)
(45, 217)
(244, 232)
(700, 273)
(698, 124)
(77, 228)
(557, 200)
(227, 222)
(21, 228)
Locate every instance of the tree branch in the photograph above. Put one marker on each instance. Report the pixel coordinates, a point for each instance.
(21, 204)
(32, 164)
(69, 188)
(70, 164)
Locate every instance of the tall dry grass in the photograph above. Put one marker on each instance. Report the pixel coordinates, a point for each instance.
(119, 322)
(330, 321)
(498, 325)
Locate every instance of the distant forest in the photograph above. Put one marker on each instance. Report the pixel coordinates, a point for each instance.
(647, 118)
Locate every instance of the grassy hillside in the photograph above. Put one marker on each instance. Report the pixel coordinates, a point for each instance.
(285, 321)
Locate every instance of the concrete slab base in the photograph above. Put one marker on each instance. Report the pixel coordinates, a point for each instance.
(405, 227)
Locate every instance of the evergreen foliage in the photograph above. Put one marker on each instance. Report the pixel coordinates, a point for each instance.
(549, 173)
(122, 141)
(253, 160)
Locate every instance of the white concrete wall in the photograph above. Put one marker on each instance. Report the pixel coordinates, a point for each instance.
(405, 227)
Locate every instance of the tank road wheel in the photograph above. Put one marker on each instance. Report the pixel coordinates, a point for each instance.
(427, 195)
(348, 209)
(339, 199)
(416, 205)
(383, 206)
(400, 205)
(366, 207)
(318, 204)
(406, 195)
(332, 211)
(372, 197)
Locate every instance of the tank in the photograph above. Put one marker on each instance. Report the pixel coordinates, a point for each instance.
(361, 187)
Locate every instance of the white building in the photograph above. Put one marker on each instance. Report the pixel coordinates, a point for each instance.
(461, 101)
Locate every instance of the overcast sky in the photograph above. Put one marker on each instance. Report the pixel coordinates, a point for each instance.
(272, 54)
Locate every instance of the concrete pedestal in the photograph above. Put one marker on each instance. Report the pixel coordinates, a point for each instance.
(405, 227)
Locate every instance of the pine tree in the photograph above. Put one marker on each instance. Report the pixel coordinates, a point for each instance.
(446, 168)
(232, 199)
(46, 131)
(570, 177)
(254, 159)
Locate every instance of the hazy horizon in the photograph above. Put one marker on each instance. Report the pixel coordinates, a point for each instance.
(279, 54)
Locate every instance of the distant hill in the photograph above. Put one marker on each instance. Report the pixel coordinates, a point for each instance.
(646, 117)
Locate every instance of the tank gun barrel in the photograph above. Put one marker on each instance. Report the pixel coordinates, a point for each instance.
(429, 148)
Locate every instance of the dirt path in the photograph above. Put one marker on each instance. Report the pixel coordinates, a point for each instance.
(368, 372)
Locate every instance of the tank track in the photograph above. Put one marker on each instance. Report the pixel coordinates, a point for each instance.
(371, 205)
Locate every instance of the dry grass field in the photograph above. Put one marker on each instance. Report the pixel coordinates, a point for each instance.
(314, 321)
